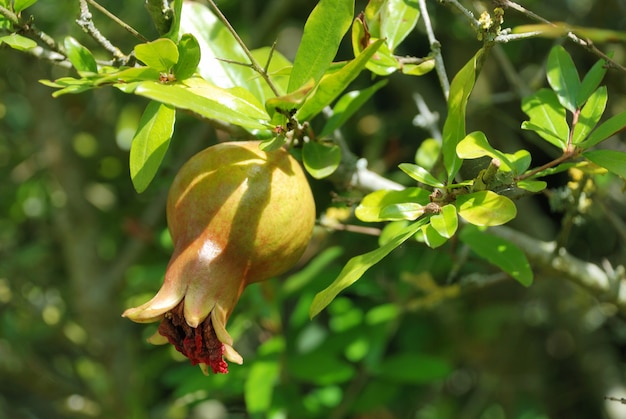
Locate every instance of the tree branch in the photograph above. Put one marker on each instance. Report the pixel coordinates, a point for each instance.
(435, 48)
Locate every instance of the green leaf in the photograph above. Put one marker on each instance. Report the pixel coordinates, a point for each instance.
(287, 103)
(278, 71)
(320, 160)
(454, 127)
(613, 161)
(431, 237)
(499, 252)
(369, 210)
(334, 83)
(150, 143)
(19, 5)
(80, 57)
(591, 81)
(446, 222)
(18, 42)
(357, 266)
(608, 128)
(532, 185)
(563, 77)
(174, 30)
(589, 115)
(273, 143)
(485, 208)
(323, 31)
(189, 57)
(475, 145)
(426, 66)
(420, 174)
(161, 54)
(547, 117)
(216, 45)
(403, 211)
(397, 20)
(233, 106)
(347, 105)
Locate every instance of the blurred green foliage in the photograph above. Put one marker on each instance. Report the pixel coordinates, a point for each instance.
(78, 245)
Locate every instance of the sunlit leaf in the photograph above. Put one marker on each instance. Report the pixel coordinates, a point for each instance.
(217, 44)
(323, 31)
(334, 83)
(397, 20)
(233, 106)
(19, 5)
(278, 71)
(532, 185)
(590, 114)
(475, 145)
(150, 143)
(591, 81)
(613, 161)
(427, 153)
(347, 105)
(80, 57)
(161, 54)
(188, 57)
(320, 160)
(431, 236)
(18, 42)
(454, 127)
(403, 211)
(357, 266)
(547, 117)
(420, 174)
(420, 69)
(446, 222)
(608, 128)
(370, 207)
(485, 208)
(563, 77)
(499, 252)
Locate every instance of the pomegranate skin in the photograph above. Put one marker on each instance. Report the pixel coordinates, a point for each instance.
(237, 215)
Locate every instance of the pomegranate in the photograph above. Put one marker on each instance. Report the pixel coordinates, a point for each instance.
(237, 215)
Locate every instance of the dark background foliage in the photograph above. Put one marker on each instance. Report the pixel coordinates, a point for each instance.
(78, 246)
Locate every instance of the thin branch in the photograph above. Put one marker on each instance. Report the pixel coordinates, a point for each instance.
(253, 62)
(117, 20)
(435, 48)
(468, 14)
(28, 27)
(86, 23)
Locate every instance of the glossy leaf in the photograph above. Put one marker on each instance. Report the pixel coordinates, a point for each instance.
(150, 143)
(608, 128)
(320, 160)
(547, 117)
(161, 54)
(273, 143)
(397, 20)
(233, 106)
(289, 102)
(485, 208)
(532, 185)
(431, 236)
(323, 31)
(613, 161)
(475, 145)
(369, 210)
(589, 115)
(188, 57)
(446, 222)
(563, 77)
(216, 45)
(19, 5)
(591, 81)
(403, 211)
(347, 105)
(334, 83)
(80, 57)
(454, 127)
(420, 174)
(357, 266)
(18, 42)
(420, 69)
(499, 252)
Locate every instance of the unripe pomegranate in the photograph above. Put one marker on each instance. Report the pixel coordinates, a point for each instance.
(237, 215)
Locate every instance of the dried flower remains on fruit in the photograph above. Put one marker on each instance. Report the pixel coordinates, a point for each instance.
(237, 215)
